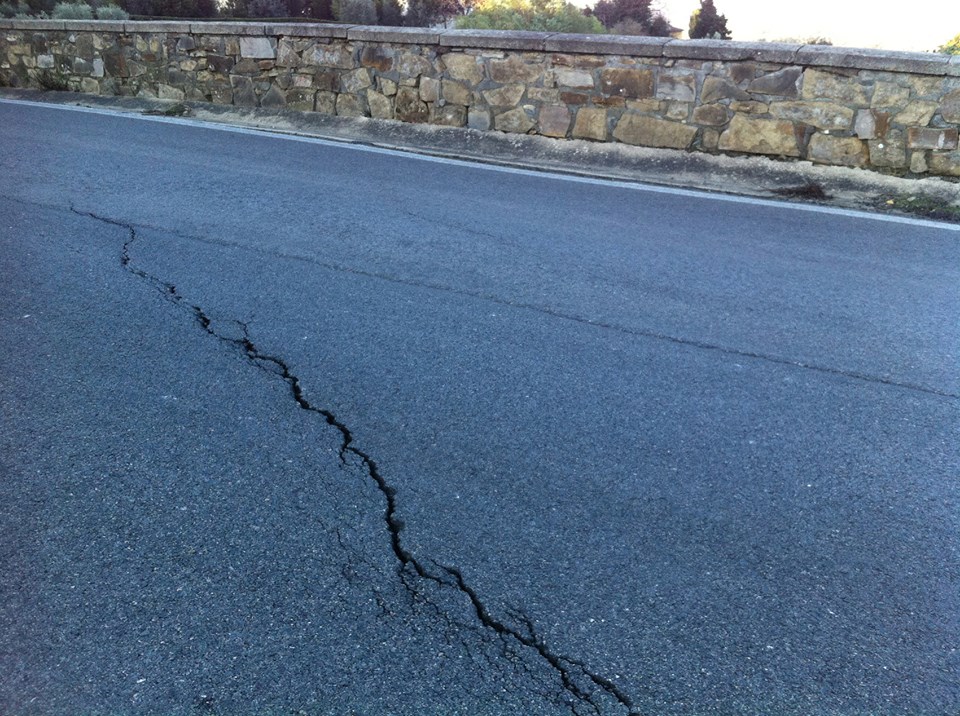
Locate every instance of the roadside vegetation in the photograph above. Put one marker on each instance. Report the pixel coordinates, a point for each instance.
(951, 47)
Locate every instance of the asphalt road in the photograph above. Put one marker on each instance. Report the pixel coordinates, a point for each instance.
(290, 427)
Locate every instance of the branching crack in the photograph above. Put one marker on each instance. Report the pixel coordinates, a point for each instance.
(586, 688)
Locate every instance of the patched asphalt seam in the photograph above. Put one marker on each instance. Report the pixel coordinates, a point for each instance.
(409, 565)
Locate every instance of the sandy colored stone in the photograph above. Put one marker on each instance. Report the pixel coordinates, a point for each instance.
(784, 83)
(580, 79)
(653, 132)
(627, 83)
(326, 102)
(465, 68)
(451, 115)
(918, 113)
(840, 151)
(554, 121)
(918, 163)
(818, 84)
(411, 65)
(542, 94)
(591, 123)
(507, 96)
(711, 115)
(455, 93)
(676, 111)
(408, 106)
(387, 87)
(380, 105)
(891, 151)
(355, 81)
(88, 85)
(822, 115)
(429, 89)
(718, 88)
(680, 87)
(760, 136)
(349, 105)
(515, 70)
(945, 163)
(750, 107)
(516, 120)
(950, 107)
(887, 95)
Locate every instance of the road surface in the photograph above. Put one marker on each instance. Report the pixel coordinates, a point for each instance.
(291, 427)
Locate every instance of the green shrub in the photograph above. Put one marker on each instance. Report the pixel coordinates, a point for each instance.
(9, 9)
(112, 12)
(537, 15)
(952, 47)
(50, 80)
(72, 11)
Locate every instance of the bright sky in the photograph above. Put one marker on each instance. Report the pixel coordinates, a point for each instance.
(919, 25)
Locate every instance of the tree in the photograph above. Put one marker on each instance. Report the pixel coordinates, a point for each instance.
(537, 15)
(952, 47)
(707, 22)
(632, 17)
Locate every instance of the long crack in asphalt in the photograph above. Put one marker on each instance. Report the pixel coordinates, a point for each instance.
(586, 687)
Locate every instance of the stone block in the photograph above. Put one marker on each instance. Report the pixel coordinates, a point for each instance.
(871, 124)
(165, 91)
(677, 111)
(287, 55)
(574, 99)
(387, 87)
(205, 28)
(409, 107)
(591, 123)
(711, 115)
(393, 35)
(494, 39)
(258, 48)
(450, 115)
(719, 88)
(818, 84)
(516, 121)
(455, 93)
(301, 98)
(712, 50)
(760, 136)
(349, 105)
(355, 81)
(506, 96)
(626, 83)
(931, 138)
(429, 89)
(333, 55)
(273, 98)
(923, 63)
(88, 85)
(543, 94)
(326, 102)
(554, 121)
(918, 162)
(750, 107)
(98, 69)
(580, 79)
(514, 69)
(889, 152)
(918, 112)
(680, 87)
(945, 164)
(243, 92)
(950, 107)
(45, 62)
(627, 45)
(839, 151)
(377, 58)
(653, 132)
(785, 83)
(465, 68)
(822, 115)
(478, 118)
(104, 26)
(381, 107)
(220, 93)
(888, 95)
(306, 29)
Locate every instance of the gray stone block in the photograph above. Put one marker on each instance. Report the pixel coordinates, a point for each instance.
(921, 63)
(228, 28)
(307, 29)
(494, 39)
(32, 24)
(93, 26)
(729, 50)
(6, 23)
(630, 45)
(159, 26)
(398, 35)
(257, 48)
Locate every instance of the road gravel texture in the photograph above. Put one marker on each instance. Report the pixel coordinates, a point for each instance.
(299, 428)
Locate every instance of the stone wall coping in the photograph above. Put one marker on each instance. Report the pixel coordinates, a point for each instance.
(921, 63)
(705, 50)
(217, 28)
(305, 29)
(632, 45)
(93, 25)
(160, 26)
(401, 35)
(495, 39)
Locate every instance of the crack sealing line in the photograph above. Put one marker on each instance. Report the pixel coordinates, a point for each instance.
(565, 667)
(563, 315)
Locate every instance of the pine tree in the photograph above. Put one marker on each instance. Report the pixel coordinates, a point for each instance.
(707, 22)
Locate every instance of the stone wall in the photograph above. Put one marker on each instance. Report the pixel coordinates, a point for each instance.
(888, 111)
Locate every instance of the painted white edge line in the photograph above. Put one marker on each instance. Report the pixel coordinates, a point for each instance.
(545, 173)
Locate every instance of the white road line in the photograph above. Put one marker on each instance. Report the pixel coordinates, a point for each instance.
(537, 173)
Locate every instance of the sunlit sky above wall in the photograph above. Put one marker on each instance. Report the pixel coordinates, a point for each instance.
(919, 25)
